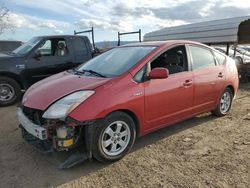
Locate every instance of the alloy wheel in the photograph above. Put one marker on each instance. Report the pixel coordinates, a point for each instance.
(115, 138)
(225, 102)
(7, 92)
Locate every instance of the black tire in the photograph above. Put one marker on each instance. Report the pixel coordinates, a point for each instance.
(219, 111)
(11, 84)
(98, 150)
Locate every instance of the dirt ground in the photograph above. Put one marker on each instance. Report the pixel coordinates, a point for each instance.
(204, 151)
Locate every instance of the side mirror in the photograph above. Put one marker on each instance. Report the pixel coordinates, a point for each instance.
(159, 73)
(38, 54)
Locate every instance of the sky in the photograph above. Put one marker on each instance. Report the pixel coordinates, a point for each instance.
(49, 17)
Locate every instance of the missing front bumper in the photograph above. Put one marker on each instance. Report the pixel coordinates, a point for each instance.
(43, 146)
(79, 155)
(30, 127)
(48, 143)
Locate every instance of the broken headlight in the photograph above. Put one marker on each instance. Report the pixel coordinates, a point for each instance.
(61, 108)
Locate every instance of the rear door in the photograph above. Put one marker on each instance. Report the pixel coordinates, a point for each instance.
(208, 78)
(169, 100)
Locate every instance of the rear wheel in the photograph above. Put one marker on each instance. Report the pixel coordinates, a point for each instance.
(114, 137)
(224, 104)
(10, 91)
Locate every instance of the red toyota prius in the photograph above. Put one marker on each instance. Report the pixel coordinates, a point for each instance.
(126, 92)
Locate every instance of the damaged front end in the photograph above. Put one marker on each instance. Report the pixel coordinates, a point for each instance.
(57, 135)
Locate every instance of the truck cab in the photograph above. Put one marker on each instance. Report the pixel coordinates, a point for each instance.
(37, 59)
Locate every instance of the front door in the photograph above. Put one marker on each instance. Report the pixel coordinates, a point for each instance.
(54, 58)
(169, 100)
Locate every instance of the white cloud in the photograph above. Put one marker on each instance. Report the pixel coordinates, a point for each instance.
(109, 15)
(156, 23)
(48, 25)
(121, 15)
(104, 24)
(58, 31)
(17, 20)
(207, 9)
(234, 3)
(20, 21)
(65, 7)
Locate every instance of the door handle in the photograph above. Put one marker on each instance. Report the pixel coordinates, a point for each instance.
(187, 83)
(220, 75)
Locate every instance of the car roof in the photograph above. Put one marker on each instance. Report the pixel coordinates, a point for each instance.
(168, 43)
(61, 36)
(163, 43)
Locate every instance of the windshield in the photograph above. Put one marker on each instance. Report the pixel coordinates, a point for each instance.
(26, 47)
(116, 61)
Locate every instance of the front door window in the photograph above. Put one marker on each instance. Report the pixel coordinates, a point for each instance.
(175, 60)
(53, 47)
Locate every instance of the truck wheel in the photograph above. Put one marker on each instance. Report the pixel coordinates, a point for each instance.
(114, 137)
(10, 91)
(224, 104)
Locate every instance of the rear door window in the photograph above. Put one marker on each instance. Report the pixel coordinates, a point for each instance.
(220, 58)
(80, 47)
(201, 57)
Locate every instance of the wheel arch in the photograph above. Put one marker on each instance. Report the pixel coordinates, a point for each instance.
(133, 116)
(231, 88)
(13, 76)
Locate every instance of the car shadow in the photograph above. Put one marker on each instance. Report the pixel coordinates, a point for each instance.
(21, 164)
(168, 131)
(87, 167)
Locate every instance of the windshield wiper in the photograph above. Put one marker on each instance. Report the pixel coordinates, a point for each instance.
(91, 72)
(76, 71)
(94, 72)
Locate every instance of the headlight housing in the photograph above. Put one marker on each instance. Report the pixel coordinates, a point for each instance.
(61, 108)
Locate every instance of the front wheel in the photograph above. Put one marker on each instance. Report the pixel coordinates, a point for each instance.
(224, 104)
(114, 137)
(10, 91)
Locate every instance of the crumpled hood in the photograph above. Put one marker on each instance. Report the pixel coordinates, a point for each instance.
(42, 94)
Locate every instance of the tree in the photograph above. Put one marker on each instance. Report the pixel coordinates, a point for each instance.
(4, 20)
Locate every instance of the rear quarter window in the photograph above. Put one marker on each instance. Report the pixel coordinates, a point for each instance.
(220, 58)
